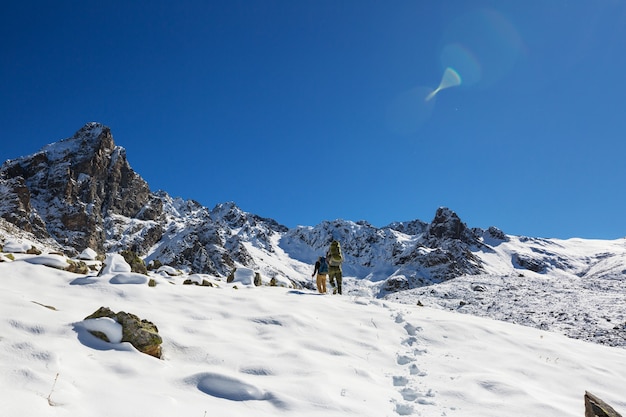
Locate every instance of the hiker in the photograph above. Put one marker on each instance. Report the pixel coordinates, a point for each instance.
(321, 268)
(334, 259)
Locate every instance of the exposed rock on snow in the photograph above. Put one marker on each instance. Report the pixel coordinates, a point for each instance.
(142, 334)
(595, 407)
(16, 246)
(169, 271)
(245, 276)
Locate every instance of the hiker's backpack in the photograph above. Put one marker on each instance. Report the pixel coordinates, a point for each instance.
(334, 254)
(323, 269)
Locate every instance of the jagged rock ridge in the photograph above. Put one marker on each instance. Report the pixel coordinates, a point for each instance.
(69, 189)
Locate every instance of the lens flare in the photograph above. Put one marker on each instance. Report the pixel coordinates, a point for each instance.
(450, 79)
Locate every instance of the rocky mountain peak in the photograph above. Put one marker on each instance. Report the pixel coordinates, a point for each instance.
(68, 188)
(448, 225)
(229, 213)
(91, 140)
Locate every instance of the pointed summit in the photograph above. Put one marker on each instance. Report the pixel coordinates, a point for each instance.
(91, 139)
(448, 226)
(68, 188)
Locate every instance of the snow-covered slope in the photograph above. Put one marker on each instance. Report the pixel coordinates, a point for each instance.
(575, 287)
(267, 351)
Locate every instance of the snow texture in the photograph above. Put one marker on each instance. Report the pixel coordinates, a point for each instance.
(111, 328)
(238, 350)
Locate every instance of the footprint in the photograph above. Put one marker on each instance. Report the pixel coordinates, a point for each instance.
(404, 409)
(404, 360)
(425, 399)
(399, 318)
(400, 381)
(410, 341)
(412, 330)
(414, 370)
(419, 352)
(410, 394)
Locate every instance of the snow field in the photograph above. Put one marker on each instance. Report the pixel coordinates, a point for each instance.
(278, 351)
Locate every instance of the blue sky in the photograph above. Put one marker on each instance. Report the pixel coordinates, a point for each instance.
(305, 111)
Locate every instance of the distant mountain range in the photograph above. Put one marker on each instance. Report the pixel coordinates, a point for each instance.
(81, 192)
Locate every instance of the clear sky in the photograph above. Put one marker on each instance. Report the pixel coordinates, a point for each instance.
(305, 111)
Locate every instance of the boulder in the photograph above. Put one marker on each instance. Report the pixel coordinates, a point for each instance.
(114, 264)
(396, 283)
(88, 254)
(16, 246)
(137, 264)
(595, 407)
(142, 334)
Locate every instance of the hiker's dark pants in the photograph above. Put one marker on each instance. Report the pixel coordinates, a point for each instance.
(336, 278)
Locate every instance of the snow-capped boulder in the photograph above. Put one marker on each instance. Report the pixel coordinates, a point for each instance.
(129, 278)
(51, 260)
(243, 276)
(88, 254)
(197, 279)
(277, 281)
(16, 246)
(142, 334)
(114, 264)
(105, 328)
(169, 271)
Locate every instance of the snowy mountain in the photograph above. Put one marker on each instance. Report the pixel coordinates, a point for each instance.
(82, 193)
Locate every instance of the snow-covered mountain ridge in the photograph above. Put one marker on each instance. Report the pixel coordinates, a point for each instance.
(81, 192)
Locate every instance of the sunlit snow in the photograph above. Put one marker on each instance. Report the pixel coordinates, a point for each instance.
(239, 350)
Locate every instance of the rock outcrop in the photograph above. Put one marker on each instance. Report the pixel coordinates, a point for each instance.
(68, 189)
(595, 407)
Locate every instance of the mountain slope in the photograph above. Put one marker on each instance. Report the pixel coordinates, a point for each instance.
(81, 192)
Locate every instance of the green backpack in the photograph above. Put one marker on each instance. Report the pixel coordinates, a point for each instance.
(334, 254)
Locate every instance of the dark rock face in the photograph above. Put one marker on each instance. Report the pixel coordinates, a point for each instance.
(527, 262)
(448, 226)
(497, 234)
(67, 189)
(398, 283)
(414, 227)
